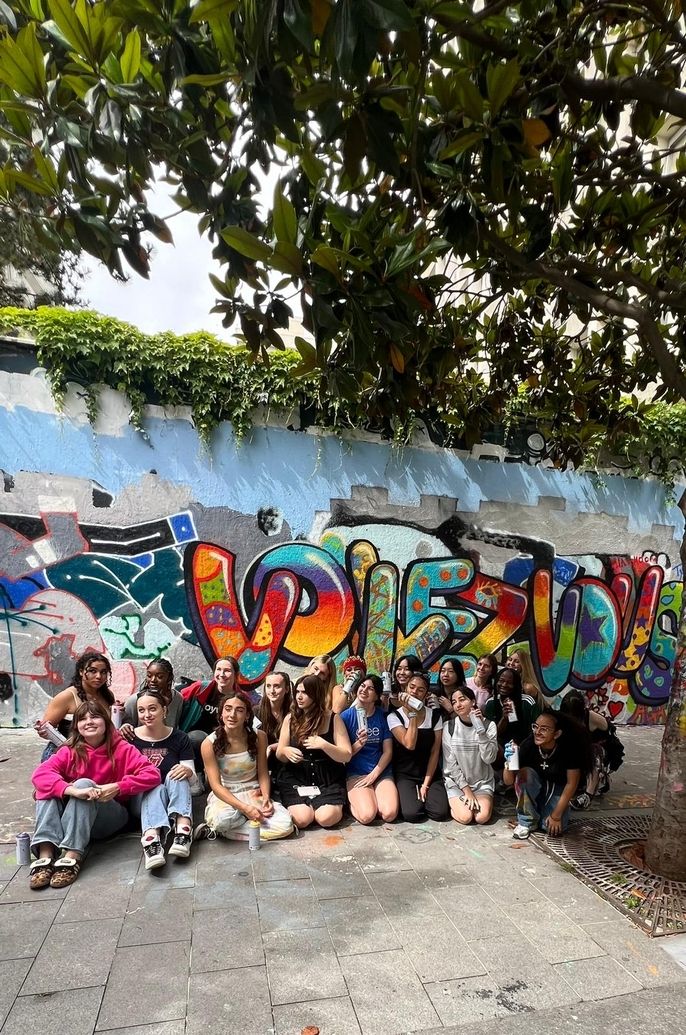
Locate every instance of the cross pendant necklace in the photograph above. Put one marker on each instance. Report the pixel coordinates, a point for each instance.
(545, 763)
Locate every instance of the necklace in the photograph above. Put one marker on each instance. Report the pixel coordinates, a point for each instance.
(545, 758)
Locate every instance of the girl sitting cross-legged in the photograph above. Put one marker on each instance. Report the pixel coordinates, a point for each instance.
(235, 758)
(168, 806)
(82, 792)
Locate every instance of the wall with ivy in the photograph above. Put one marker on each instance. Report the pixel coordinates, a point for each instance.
(147, 539)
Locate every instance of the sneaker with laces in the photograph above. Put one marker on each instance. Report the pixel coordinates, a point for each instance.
(204, 832)
(582, 801)
(520, 832)
(153, 853)
(181, 845)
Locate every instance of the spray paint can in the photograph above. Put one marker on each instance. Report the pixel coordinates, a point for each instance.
(512, 714)
(54, 735)
(477, 723)
(513, 760)
(117, 716)
(361, 719)
(253, 835)
(386, 680)
(23, 849)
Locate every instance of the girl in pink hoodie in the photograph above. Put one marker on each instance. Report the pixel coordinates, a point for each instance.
(81, 794)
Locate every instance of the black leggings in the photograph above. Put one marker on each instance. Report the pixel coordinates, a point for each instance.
(413, 809)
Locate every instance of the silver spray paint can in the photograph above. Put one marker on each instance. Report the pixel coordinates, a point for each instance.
(253, 835)
(23, 849)
(361, 719)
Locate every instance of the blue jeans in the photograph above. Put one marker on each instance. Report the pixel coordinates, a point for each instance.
(71, 823)
(536, 800)
(160, 805)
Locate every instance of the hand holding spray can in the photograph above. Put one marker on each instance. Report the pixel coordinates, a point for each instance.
(477, 722)
(512, 713)
(361, 719)
(512, 756)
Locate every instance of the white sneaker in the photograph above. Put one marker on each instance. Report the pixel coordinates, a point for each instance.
(153, 852)
(181, 845)
(520, 832)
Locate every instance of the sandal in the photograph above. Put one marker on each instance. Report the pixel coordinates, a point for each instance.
(65, 873)
(40, 873)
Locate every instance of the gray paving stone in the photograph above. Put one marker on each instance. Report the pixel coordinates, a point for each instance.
(45, 1014)
(157, 915)
(229, 1001)
(643, 958)
(166, 1028)
(8, 864)
(75, 955)
(437, 952)
(220, 942)
(515, 891)
(380, 857)
(332, 1016)
(403, 892)
(358, 926)
(302, 965)
(97, 900)
(121, 857)
(560, 941)
(522, 973)
(675, 946)
(476, 915)
(12, 975)
(579, 902)
(288, 905)
(18, 890)
(598, 978)
(178, 874)
(24, 926)
(388, 998)
(136, 995)
(272, 862)
(337, 877)
(470, 1000)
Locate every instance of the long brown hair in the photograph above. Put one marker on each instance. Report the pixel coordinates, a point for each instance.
(271, 725)
(221, 740)
(76, 741)
(307, 723)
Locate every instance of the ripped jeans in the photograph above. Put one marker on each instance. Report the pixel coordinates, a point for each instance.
(536, 800)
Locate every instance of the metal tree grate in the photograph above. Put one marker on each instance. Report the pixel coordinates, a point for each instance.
(591, 850)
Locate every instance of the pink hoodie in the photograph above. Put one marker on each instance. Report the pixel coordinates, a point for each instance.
(129, 768)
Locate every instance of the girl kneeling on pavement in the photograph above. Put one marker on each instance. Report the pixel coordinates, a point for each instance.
(470, 747)
(371, 789)
(82, 793)
(417, 732)
(551, 762)
(235, 759)
(169, 805)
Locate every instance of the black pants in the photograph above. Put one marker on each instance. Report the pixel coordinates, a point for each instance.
(413, 809)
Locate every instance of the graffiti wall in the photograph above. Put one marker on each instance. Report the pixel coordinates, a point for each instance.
(296, 544)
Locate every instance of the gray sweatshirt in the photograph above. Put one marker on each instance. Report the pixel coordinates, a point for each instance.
(468, 757)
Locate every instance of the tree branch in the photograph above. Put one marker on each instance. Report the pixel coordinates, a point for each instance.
(626, 88)
(605, 303)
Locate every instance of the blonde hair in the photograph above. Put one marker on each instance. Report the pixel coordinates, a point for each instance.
(329, 683)
(529, 681)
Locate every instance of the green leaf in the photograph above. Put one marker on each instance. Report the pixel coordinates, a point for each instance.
(246, 243)
(210, 10)
(386, 14)
(501, 81)
(131, 57)
(462, 142)
(284, 218)
(468, 96)
(46, 170)
(287, 259)
(297, 17)
(211, 79)
(327, 258)
(70, 27)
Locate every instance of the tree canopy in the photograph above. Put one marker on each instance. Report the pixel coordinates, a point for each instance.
(468, 197)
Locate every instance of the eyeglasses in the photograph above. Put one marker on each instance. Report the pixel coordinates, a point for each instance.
(542, 729)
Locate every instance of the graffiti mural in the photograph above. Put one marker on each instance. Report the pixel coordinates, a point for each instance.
(199, 584)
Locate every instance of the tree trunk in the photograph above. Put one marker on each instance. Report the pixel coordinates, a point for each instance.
(666, 844)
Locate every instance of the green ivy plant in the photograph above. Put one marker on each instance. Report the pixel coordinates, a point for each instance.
(219, 382)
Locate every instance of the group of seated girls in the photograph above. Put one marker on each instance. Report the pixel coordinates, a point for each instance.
(308, 751)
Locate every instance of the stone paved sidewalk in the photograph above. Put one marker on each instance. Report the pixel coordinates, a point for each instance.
(383, 930)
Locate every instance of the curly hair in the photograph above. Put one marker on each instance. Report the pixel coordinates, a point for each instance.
(81, 665)
(221, 741)
(306, 723)
(167, 693)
